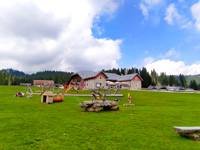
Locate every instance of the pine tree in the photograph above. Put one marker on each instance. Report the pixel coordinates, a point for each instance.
(163, 79)
(154, 77)
(172, 80)
(146, 78)
(193, 85)
(183, 82)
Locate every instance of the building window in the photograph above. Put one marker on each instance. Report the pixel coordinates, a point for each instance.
(98, 84)
(100, 77)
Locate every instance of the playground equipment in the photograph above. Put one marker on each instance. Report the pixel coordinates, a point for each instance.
(116, 86)
(60, 97)
(95, 104)
(47, 97)
(71, 87)
(29, 91)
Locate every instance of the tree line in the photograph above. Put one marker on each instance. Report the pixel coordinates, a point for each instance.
(13, 77)
(59, 77)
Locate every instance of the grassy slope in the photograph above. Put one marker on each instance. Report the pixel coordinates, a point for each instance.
(28, 124)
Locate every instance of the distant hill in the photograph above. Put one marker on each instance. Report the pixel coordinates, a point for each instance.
(58, 76)
(193, 77)
(13, 72)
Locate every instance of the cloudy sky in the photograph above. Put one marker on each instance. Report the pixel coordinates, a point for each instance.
(66, 35)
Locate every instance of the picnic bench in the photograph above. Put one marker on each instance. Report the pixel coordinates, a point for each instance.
(189, 132)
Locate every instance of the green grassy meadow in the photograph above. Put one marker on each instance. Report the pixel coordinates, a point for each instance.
(25, 123)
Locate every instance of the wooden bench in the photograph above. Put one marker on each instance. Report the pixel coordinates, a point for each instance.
(188, 132)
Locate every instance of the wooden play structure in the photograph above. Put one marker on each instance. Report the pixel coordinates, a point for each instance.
(95, 104)
(47, 97)
(189, 132)
(60, 97)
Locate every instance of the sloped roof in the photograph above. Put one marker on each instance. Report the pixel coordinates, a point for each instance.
(49, 93)
(88, 74)
(112, 76)
(128, 77)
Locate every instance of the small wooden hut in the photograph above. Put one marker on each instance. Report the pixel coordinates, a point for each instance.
(47, 97)
(60, 94)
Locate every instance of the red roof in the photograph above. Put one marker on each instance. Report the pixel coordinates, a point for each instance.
(39, 82)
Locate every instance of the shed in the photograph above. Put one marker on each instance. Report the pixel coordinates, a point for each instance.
(60, 94)
(47, 97)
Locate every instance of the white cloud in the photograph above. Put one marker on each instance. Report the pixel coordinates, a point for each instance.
(172, 14)
(170, 53)
(186, 25)
(148, 5)
(173, 67)
(55, 35)
(148, 60)
(152, 2)
(195, 9)
(144, 10)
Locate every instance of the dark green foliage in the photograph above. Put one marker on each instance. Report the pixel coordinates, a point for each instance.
(172, 80)
(13, 72)
(154, 77)
(146, 77)
(193, 77)
(183, 82)
(193, 85)
(122, 71)
(58, 77)
(163, 79)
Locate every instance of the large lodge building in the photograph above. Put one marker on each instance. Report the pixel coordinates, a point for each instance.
(91, 80)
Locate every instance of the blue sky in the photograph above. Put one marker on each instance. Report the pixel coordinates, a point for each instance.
(92, 35)
(152, 36)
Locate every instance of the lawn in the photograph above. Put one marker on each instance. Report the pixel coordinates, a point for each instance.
(27, 124)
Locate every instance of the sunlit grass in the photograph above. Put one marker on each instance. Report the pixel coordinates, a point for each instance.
(25, 123)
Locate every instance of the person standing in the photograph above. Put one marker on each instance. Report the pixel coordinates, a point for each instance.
(129, 97)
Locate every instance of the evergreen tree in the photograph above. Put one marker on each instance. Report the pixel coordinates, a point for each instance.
(183, 82)
(154, 77)
(146, 78)
(193, 85)
(10, 80)
(198, 86)
(172, 80)
(163, 79)
(14, 80)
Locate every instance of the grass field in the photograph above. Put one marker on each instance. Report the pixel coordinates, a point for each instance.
(28, 124)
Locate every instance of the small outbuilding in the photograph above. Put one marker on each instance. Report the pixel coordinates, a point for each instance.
(60, 94)
(47, 97)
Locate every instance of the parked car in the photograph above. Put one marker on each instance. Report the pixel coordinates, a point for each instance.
(189, 90)
(162, 88)
(151, 88)
(179, 89)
